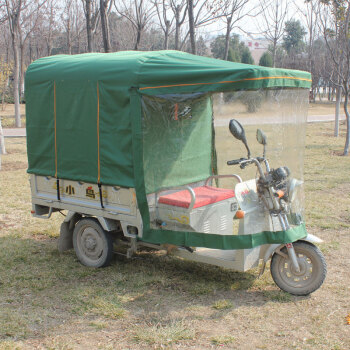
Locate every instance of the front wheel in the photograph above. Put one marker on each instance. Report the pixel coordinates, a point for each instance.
(313, 269)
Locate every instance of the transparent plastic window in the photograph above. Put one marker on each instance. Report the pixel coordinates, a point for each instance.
(186, 140)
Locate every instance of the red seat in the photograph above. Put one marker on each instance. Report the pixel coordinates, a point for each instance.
(204, 195)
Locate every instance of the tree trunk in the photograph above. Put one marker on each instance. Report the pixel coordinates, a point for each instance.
(274, 48)
(30, 51)
(49, 47)
(346, 147)
(21, 72)
(166, 35)
(138, 38)
(337, 108)
(104, 26)
(177, 27)
(88, 25)
(227, 38)
(16, 80)
(69, 44)
(191, 26)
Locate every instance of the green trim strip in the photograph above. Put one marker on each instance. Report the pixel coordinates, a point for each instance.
(198, 239)
(228, 82)
(137, 149)
(191, 239)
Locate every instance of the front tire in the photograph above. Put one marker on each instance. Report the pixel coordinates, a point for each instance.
(313, 269)
(92, 244)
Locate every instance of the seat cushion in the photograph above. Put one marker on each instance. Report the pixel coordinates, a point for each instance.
(204, 195)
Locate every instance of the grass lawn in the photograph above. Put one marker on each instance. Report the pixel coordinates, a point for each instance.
(7, 115)
(50, 301)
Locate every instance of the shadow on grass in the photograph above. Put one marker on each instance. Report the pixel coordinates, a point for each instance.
(41, 289)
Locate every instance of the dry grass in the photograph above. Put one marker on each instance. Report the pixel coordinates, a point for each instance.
(237, 108)
(49, 301)
(9, 110)
(7, 115)
(323, 108)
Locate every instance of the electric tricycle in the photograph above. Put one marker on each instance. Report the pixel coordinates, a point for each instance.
(130, 146)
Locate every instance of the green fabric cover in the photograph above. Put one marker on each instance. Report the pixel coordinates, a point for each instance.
(76, 78)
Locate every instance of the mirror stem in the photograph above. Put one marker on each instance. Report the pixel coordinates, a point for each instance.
(246, 146)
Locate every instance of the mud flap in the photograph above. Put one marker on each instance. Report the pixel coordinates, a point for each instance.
(65, 241)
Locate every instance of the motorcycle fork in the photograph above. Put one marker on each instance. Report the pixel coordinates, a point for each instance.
(290, 249)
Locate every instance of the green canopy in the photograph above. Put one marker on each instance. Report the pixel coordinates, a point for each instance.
(78, 107)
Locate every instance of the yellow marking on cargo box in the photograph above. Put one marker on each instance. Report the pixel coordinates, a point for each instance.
(185, 220)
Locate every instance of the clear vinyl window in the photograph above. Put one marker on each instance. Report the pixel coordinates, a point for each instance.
(186, 146)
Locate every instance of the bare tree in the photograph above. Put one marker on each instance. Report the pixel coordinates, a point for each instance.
(162, 7)
(30, 18)
(67, 18)
(335, 22)
(138, 14)
(274, 14)
(191, 24)
(71, 18)
(13, 9)
(49, 19)
(201, 13)
(78, 27)
(179, 9)
(91, 11)
(232, 12)
(105, 7)
(310, 14)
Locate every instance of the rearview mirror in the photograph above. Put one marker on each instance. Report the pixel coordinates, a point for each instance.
(238, 132)
(261, 137)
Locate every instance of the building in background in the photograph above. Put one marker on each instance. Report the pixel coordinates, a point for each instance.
(256, 46)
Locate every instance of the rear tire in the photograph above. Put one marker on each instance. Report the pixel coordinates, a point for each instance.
(92, 244)
(313, 269)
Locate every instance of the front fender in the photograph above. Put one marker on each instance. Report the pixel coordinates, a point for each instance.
(312, 239)
(273, 247)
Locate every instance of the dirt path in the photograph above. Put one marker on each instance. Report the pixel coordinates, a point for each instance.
(14, 132)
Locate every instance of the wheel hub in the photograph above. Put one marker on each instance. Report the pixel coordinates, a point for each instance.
(294, 278)
(302, 266)
(90, 243)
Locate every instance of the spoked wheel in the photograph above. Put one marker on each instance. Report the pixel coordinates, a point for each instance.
(312, 273)
(92, 244)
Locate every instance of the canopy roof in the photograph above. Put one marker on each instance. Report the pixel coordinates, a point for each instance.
(158, 72)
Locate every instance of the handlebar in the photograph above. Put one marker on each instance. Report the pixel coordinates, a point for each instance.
(243, 162)
(235, 161)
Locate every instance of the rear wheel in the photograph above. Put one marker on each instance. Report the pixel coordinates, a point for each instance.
(92, 244)
(313, 269)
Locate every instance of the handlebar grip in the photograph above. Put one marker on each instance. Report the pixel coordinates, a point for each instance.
(233, 162)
